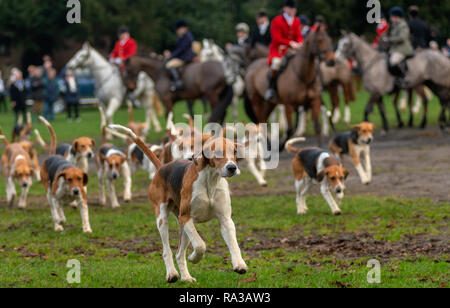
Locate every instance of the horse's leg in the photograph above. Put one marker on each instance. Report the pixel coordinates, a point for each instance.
(421, 93)
(113, 106)
(190, 105)
(289, 111)
(411, 114)
(369, 107)
(301, 126)
(315, 110)
(334, 96)
(383, 114)
(397, 110)
(348, 98)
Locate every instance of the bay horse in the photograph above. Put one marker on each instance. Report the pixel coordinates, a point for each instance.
(201, 80)
(298, 85)
(427, 67)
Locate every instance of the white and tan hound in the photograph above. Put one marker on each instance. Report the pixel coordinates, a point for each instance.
(64, 183)
(314, 165)
(79, 153)
(195, 191)
(17, 167)
(356, 143)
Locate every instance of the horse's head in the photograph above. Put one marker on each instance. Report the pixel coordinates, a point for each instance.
(130, 75)
(319, 44)
(81, 58)
(345, 46)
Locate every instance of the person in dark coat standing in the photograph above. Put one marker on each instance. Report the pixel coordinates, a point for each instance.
(3, 107)
(71, 96)
(420, 31)
(37, 90)
(51, 94)
(182, 54)
(261, 34)
(18, 94)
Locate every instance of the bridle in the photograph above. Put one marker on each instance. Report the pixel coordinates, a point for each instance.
(372, 61)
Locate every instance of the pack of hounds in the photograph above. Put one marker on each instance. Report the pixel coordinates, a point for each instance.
(191, 185)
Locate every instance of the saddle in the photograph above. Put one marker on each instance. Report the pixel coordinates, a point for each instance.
(401, 69)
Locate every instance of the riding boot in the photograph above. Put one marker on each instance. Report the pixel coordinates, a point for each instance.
(177, 82)
(271, 93)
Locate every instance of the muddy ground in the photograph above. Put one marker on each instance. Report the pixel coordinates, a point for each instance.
(407, 163)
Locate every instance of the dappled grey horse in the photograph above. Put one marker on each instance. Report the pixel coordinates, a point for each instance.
(426, 67)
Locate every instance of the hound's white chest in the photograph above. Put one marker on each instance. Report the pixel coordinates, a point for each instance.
(210, 196)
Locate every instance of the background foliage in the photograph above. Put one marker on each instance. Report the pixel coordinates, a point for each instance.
(38, 27)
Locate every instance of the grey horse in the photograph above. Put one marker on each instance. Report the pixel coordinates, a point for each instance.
(426, 67)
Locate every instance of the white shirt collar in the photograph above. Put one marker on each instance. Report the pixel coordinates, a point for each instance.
(263, 28)
(289, 19)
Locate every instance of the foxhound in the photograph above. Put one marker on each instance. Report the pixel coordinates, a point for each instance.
(356, 143)
(195, 191)
(140, 129)
(314, 165)
(17, 167)
(64, 183)
(22, 132)
(79, 153)
(29, 147)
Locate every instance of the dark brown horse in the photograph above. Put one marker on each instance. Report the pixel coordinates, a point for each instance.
(299, 84)
(201, 80)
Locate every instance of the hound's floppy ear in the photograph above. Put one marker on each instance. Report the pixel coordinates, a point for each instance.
(85, 179)
(346, 174)
(321, 175)
(374, 127)
(356, 127)
(74, 146)
(93, 142)
(61, 174)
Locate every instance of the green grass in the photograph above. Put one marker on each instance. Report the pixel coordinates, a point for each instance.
(125, 248)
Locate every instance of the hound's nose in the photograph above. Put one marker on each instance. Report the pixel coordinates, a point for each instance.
(369, 141)
(232, 169)
(76, 192)
(339, 190)
(90, 155)
(115, 176)
(25, 185)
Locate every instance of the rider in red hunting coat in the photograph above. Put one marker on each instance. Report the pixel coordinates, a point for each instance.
(286, 34)
(125, 48)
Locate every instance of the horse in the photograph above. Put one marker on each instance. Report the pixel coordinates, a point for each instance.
(427, 67)
(110, 89)
(298, 85)
(201, 80)
(333, 77)
(231, 67)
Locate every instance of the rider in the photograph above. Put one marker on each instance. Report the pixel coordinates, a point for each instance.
(181, 55)
(400, 44)
(420, 31)
(261, 34)
(125, 48)
(382, 28)
(285, 31)
(242, 31)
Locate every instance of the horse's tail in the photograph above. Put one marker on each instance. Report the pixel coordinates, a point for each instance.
(52, 149)
(249, 108)
(157, 104)
(3, 137)
(140, 143)
(219, 113)
(289, 145)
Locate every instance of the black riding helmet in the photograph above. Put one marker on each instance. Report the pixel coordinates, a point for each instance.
(123, 29)
(180, 23)
(397, 11)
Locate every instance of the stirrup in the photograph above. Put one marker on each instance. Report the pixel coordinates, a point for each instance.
(270, 95)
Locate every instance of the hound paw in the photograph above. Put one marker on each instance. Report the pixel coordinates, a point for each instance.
(59, 228)
(241, 269)
(337, 213)
(197, 255)
(87, 230)
(263, 184)
(172, 277)
(189, 279)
